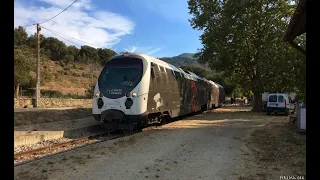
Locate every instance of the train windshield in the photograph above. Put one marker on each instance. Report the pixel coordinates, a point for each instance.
(120, 76)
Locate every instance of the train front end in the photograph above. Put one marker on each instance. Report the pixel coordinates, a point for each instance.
(121, 92)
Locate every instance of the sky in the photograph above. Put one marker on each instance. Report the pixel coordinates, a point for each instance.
(159, 28)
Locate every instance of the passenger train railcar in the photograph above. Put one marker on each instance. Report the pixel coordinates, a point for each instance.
(134, 90)
(221, 95)
(214, 95)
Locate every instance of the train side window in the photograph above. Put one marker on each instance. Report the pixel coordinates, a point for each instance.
(164, 69)
(172, 71)
(152, 73)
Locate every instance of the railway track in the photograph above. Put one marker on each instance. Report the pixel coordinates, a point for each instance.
(48, 151)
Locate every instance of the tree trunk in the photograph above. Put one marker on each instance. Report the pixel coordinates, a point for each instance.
(17, 90)
(257, 104)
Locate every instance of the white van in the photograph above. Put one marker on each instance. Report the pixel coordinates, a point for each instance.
(280, 102)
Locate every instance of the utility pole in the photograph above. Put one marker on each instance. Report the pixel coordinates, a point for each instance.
(38, 67)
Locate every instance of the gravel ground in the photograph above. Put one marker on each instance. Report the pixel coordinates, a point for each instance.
(42, 144)
(211, 145)
(24, 148)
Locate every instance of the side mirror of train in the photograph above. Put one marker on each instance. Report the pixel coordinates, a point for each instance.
(152, 64)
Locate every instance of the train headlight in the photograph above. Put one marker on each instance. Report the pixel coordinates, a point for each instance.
(97, 94)
(134, 94)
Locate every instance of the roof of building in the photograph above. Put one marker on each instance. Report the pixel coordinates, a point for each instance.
(297, 25)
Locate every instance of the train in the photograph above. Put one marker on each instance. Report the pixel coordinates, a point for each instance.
(134, 90)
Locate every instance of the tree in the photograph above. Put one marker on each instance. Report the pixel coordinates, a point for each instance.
(22, 68)
(105, 55)
(58, 50)
(244, 39)
(32, 40)
(20, 36)
(73, 52)
(88, 54)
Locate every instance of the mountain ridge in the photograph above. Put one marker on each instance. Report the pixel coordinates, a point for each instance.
(185, 59)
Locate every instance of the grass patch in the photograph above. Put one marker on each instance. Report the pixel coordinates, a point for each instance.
(277, 149)
(57, 94)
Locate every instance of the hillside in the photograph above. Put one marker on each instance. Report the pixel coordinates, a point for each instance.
(70, 71)
(185, 59)
(75, 78)
(71, 78)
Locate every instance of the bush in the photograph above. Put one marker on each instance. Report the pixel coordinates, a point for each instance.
(51, 94)
(60, 72)
(62, 64)
(86, 75)
(57, 94)
(76, 74)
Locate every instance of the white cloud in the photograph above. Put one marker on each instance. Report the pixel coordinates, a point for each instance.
(145, 50)
(81, 21)
(131, 49)
(154, 51)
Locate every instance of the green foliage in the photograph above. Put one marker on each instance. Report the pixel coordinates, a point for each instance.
(105, 55)
(20, 36)
(245, 39)
(72, 52)
(32, 40)
(58, 50)
(57, 94)
(22, 67)
(88, 54)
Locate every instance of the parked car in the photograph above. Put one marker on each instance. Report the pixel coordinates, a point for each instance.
(280, 102)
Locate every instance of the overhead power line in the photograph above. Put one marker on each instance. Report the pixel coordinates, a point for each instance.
(53, 16)
(61, 36)
(59, 13)
(73, 38)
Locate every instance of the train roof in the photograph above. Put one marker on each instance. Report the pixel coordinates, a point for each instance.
(156, 61)
(219, 85)
(214, 83)
(188, 75)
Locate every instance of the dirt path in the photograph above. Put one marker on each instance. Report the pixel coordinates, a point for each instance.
(211, 145)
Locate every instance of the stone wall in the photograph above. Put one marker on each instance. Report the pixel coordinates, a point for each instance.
(53, 103)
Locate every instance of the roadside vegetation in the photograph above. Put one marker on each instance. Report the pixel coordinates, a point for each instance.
(244, 39)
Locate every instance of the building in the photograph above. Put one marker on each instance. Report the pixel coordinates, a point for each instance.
(297, 25)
